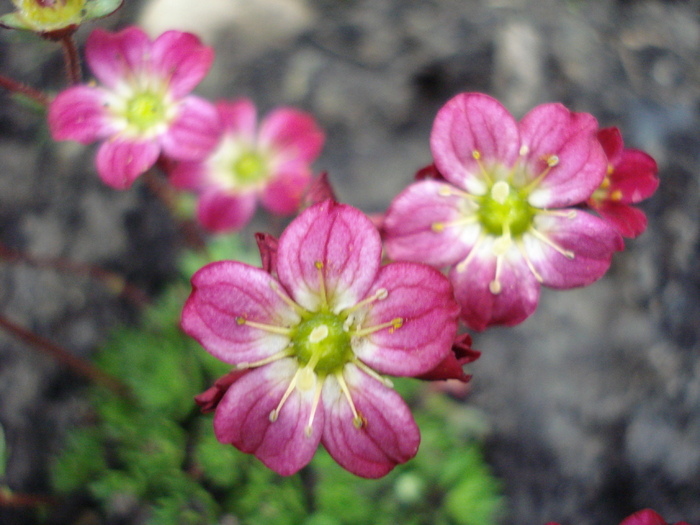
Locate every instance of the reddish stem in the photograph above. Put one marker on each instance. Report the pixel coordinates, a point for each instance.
(71, 58)
(22, 89)
(112, 281)
(63, 356)
(11, 499)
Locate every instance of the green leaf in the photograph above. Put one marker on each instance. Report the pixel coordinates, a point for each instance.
(82, 460)
(3, 453)
(101, 8)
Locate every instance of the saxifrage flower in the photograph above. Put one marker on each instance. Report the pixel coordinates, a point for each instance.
(271, 164)
(143, 108)
(631, 177)
(502, 214)
(53, 18)
(315, 337)
(642, 517)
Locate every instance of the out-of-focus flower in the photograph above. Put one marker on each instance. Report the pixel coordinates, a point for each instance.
(143, 107)
(315, 340)
(631, 178)
(642, 517)
(53, 18)
(271, 164)
(503, 217)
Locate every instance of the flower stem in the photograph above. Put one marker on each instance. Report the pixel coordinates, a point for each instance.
(29, 92)
(76, 364)
(71, 58)
(112, 281)
(12, 499)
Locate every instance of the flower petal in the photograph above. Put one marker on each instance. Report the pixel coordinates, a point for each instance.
(591, 239)
(243, 418)
(628, 220)
(113, 57)
(333, 246)
(635, 176)
(551, 131)
(422, 298)
(78, 113)
(517, 300)
(409, 232)
(388, 437)
(195, 131)
(239, 117)
(644, 517)
(282, 195)
(469, 123)
(188, 175)
(182, 59)
(120, 161)
(293, 134)
(222, 293)
(221, 212)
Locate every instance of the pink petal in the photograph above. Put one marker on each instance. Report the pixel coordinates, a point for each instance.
(78, 113)
(292, 134)
(243, 418)
(422, 297)
(473, 122)
(635, 176)
(239, 118)
(282, 195)
(408, 226)
(120, 160)
(517, 300)
(552, 130)
(195, 131)
(451, 367)
(181, 58)
(219, 211)
(189, 175)
(343, 242)
(644, 517)
(628, 220)
(223, 292)
(209, 399)
(591, 239)
(611, 141)
(267, 245)
(388, 437)
(114, 57)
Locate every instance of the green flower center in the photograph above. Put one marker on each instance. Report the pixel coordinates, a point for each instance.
(248, 168)
(46, 15)
(322, 341)
(145, 111)
(504, 210)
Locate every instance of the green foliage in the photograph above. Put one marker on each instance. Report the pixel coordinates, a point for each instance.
(156, 450)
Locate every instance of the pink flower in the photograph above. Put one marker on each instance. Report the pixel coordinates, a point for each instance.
(271, 163)
(143, 108)
(631, 178)
(503, 217)
(316, 339)
(643, 517)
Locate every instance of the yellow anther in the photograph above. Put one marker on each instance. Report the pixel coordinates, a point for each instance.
(318, 265)
(495, 287)
(240, 320)
(444, 191)
(438, 227)
(611, 170)
(476, 154)
(616, 195)
(524, 150)
(552, 160)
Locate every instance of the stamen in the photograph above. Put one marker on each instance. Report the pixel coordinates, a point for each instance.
(358, 420)
(438, 227)
(495, 285)
(477, 157)
(549, 242)
(367, 370)
(298, 309)
(463, 265)
(392, 325)
(521, 246)
(317, 396)
(552, 161)
(567, 214)
(275, 357)
(280, 330)
(322, 282)
(524, 150)
(276, 412)
(380, 294)
(451, 191)
(616, 195)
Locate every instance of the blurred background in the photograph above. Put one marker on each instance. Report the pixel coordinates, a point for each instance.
(592, 405)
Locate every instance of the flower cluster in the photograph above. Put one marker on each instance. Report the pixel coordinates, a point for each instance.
(314, 334)
(503, 206)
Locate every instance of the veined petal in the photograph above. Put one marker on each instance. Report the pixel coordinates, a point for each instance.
(591, 240)
(115, 57)
(182, 59)
(469, 123)
(635, 176)
(389, 435)
(243, 418)
(628, 220)
(292, 134)
(481, 308)
(219, 211)
(409, 225)
(120, 160)
(422, 298)
(282, 195)
(195, 131)
(222, 293)
(331, 246)
(239, 117)
(78, 113)
(611, 141)
(551, 131)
